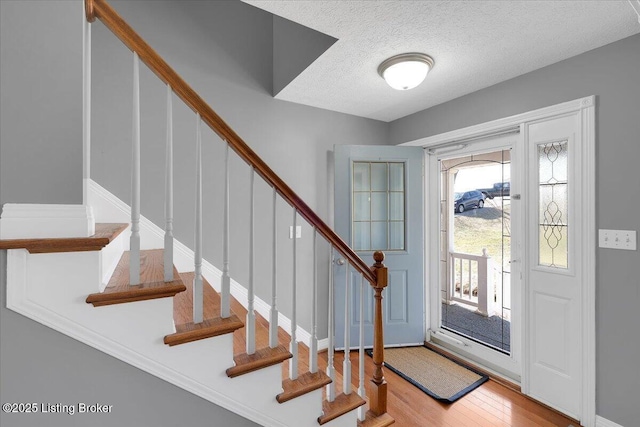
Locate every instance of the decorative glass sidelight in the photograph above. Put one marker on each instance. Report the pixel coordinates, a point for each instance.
(553, 168)
(378, 214)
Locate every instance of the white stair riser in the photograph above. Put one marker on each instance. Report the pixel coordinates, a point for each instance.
(110, 256)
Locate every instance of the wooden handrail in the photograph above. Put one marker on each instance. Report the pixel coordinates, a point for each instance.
(111, 19)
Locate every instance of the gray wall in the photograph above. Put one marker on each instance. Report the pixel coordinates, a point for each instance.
(41, 103)
(295, 47)
(223, 49)
(611, 73)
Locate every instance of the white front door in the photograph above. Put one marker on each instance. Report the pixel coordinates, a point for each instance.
(378, 206)
(556, 148)
(556, 245)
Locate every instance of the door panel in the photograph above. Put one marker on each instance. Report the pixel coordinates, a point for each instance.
(355, 303)
(398, 298)
(551, 349)
(379, 206)
(555, 282)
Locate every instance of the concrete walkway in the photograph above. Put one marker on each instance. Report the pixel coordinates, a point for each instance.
(493, 330)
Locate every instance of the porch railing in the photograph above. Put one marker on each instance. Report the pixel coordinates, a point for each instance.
(471, 281)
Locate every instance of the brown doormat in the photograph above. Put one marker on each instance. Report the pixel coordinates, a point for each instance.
(439, 377)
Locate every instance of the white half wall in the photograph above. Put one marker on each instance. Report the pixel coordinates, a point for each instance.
(33, 221)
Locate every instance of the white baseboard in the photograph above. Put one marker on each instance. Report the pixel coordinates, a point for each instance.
(109, 208)
(603, 422)
(37, 221)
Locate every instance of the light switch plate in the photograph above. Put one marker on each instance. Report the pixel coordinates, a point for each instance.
(617, 239)
(298, 231)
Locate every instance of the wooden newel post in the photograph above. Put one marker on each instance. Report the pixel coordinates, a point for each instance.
(378, 395)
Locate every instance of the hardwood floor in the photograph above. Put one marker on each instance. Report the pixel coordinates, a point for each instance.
(490, 405)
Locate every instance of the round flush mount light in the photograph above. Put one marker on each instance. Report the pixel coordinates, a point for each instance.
(405, 71)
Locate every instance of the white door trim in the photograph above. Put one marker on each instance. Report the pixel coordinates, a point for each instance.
(586, 107)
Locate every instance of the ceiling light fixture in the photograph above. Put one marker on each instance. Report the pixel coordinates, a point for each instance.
(405, 71)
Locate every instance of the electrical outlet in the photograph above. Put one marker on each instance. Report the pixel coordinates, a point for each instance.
(298, 232)
(617, 239)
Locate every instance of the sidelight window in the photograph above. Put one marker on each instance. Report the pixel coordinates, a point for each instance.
(553, 205)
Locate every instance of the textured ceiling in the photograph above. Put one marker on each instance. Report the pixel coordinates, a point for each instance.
(475, 44)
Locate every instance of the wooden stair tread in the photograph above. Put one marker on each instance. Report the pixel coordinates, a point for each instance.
(304, 384)
(262, 338)
(373, 420)
(152, 284)
(208, 328)
(105, 233)
(262, 331)
(183, 302)
(262, 358)
(212, 326)
(342, 404)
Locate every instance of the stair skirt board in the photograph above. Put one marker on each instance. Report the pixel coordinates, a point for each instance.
(120, 331)
(109, 208)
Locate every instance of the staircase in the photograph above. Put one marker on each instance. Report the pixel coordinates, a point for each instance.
(131, 290)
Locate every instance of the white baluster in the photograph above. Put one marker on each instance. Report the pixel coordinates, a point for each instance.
(331, 371)
(168, 191)
(313, 345)
(470, 284)
(86, 111)
(461, 279)
(486, 302)
(293, 346)
(273, 314)
(251, 317)
(452, 283)
(346, 364)
(134, 241)
(225, 288)
(361, 391)
(197, 278)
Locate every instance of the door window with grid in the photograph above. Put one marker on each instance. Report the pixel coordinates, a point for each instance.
(378, 211)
